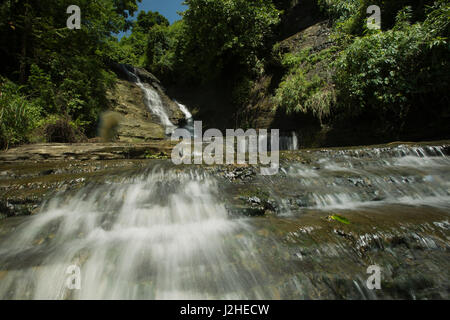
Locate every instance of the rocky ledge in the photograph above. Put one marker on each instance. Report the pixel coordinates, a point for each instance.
(86, 151)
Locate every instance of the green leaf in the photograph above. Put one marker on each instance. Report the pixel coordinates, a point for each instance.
(340, 219)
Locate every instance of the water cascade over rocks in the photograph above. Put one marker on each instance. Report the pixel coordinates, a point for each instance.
(189, 118)
(346, 179)
(152, 100)
(168, 232)
(289, 142)
(158, 235)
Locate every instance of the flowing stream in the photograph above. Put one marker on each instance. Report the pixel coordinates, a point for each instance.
(158, 235)
(350, 178)
(167, 233)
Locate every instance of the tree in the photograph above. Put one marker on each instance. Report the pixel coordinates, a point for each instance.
(136, 43)
(64, 71)
(224, 36)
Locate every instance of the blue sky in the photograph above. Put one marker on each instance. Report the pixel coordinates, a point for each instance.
(168, 8)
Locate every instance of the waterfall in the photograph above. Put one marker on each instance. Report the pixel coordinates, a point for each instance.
(289, 142)
(185, 111)
(160, 235)
(189, 118)
(152, 101)
(294, 141)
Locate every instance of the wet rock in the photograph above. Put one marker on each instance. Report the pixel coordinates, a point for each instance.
(254, 200)
(272, 205)
(238, 174)
(245, 211)
(301, 203)
(358, 182)
(47, 172)
(85, 152)
(19, 207)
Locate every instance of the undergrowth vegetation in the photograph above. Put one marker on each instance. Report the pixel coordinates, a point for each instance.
(386, 73)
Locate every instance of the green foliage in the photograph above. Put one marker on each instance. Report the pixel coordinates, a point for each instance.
(350, 16)
(134, 47)
(225, 36)
(303, 89)
(217, 40)
(386, 76)
(147, 20)
(153, 156)
(339, 218)
(18, 114)
(163, 42)
(297, 93)
(339, 10)
(62, 75)
(388, 72)
(42, 87)
(62, 71)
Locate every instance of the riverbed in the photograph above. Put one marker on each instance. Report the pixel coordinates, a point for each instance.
(147, 229)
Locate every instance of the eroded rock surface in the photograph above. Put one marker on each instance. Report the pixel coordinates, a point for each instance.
(138, 123)
(85, 151)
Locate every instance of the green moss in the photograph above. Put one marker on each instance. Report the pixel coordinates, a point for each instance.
(159, 156)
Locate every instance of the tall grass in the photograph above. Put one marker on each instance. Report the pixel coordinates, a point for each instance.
(18, 115)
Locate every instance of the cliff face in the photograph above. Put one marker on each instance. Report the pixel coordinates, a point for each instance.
(260, 110)
(138, 123)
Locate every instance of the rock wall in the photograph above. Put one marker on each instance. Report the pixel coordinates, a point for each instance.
(138, 124)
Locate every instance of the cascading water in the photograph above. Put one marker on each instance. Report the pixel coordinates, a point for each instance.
(286, 142)
(152, 100)
(154, 103)
(160, 235)
(189, 118)
(174, 233)
(353, 178)
(289, 142)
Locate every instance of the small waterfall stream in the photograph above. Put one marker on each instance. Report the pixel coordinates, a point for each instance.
(152, 101)
(189, 118)
(289, 142)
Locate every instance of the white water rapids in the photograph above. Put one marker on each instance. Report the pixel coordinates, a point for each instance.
(168, 234)
(160, 235)
(350, 179)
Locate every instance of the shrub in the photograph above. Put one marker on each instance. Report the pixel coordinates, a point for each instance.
(18, 114)
(387, 73)
(61, 131)
(298, 94)
(307, 87)
(225, 37)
